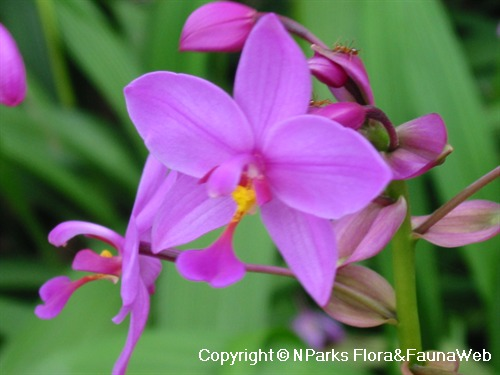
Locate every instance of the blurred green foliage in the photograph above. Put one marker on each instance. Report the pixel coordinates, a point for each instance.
(70, 152)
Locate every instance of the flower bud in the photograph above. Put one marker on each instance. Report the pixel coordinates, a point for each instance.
(222, 26)
(422, 145)
(12, 72)
(357, 86)
(327, 71)
(378, 224)
(361, 298)
(470, 222)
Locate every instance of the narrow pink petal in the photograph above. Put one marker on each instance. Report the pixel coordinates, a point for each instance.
(188, 123)
(219, 26)
(187, 212)
(12, 71)
(131, 278)
(55, 293)
(320, 167)
(307, 244)
(150, 269)
(139, 312)
(421, 142)
(470, 222)
(155, 183)
(88, 261)
(216, 265)
(63, 232)
(349, 114)
(377, 223)
(272, 81)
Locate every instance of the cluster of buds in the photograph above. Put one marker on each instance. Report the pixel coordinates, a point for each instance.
(317, 171)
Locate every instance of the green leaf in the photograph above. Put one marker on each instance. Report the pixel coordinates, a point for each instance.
(101, 53)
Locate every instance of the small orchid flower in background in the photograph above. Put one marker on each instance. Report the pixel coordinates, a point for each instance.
(318, 330)
(262, 149)
(12, 71)
(221, 26)
(138, 272)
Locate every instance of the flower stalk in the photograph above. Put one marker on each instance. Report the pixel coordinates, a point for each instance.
(403, 255)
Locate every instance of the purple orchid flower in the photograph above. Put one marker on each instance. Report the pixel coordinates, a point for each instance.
(12, 71)
(138, 272)
(262, 149)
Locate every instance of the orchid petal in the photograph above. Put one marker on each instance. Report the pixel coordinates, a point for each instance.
(307, 244)
(63, 232)
(377, 223)
(421, 142)
(150, 269)
(219, 26)
(12, 73)
(188, 123)
(131, 279)
(187, 213)
(56, 292)
(224, 179)
(139, 312)
(87, 260)
(349, 114)
(154, 185)
(272, 81)
(470, 222)
(217, 264)
(320, 167)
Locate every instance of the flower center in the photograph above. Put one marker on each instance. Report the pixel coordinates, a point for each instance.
(245, 199)
(106, 254)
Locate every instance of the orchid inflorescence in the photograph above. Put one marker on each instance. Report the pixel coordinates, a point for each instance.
(325, 176)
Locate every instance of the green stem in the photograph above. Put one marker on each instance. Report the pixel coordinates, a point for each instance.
(58, 63)
(403, 255)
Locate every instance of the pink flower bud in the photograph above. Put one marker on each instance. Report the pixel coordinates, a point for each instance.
(378, 224)
(12, 72)
(326, 71)
(422, 145)
(349, 114)
(357, 86)
(470, 222)
(361, 298)
(222, 26)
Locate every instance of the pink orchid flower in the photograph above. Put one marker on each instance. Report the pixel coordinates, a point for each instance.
(262, 149)
(12, 71)
(138, 272)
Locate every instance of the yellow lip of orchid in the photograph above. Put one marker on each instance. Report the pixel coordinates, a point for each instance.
(245, 199)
